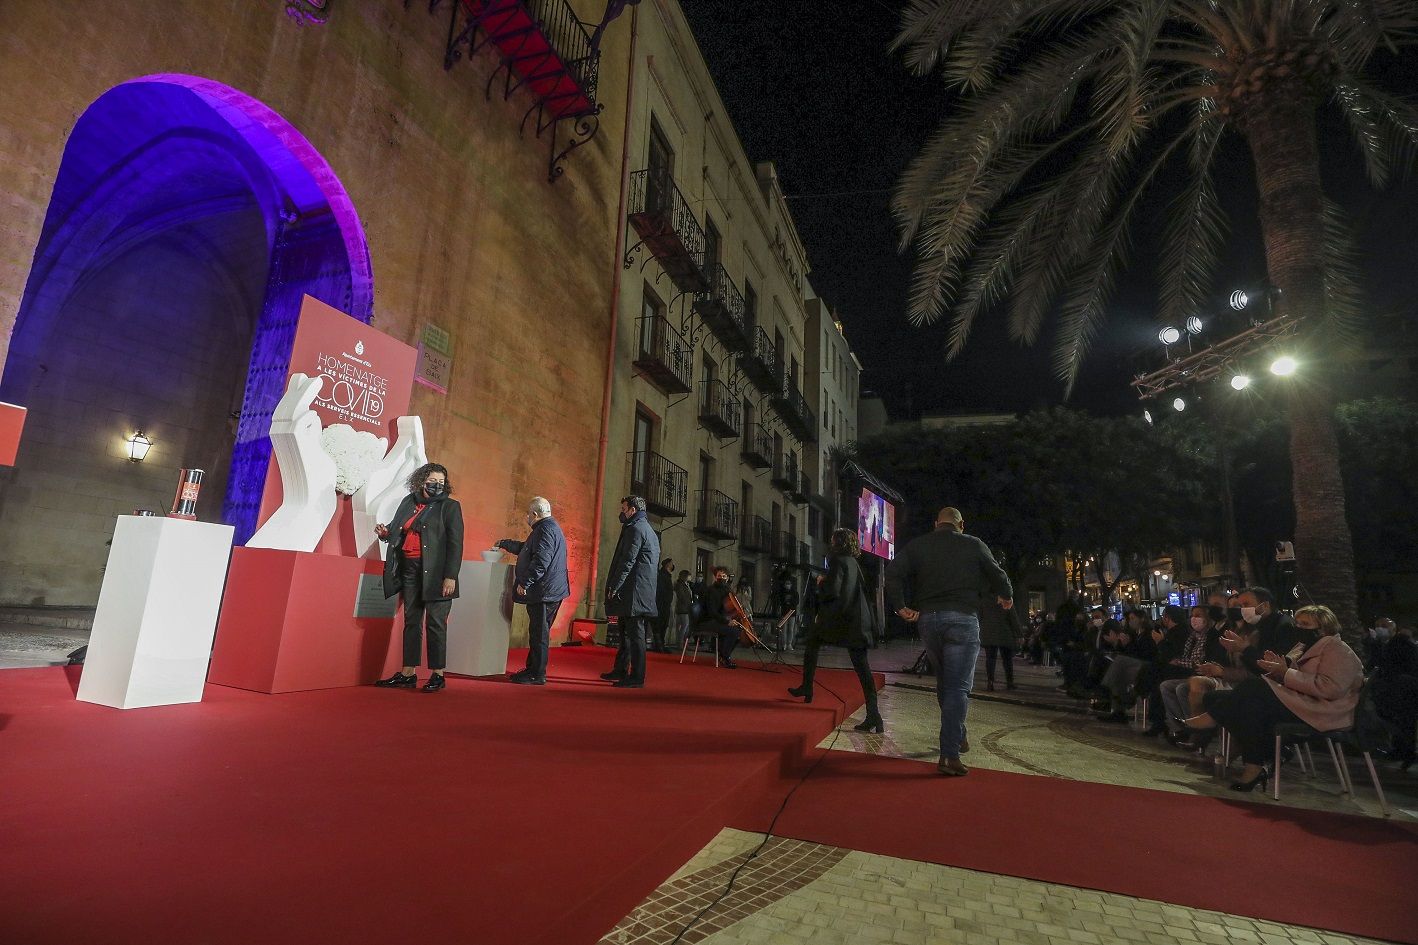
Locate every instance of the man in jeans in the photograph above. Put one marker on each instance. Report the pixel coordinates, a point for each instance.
(936, 581)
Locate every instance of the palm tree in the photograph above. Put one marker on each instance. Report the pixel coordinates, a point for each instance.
(1067, 112)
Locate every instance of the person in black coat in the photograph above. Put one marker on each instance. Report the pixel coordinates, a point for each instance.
(425, 554)
(541, 582)
(631, 587)
(664, 605)
(844, 618)
(715, 617)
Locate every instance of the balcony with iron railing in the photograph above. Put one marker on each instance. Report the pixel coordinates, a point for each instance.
(785, 472)
(801, 491)
(796, 414)
(721, 308)
(785, 546)
(716, 515)
(664, 358)
(757, 449)
(720, 412)
(760, 363)
(664, 485)
(804, 554)
(668, 229)
(757, 534)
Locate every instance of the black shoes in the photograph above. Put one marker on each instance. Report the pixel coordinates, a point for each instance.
(964, 744)
(435, 683)
(613, 676)
(728, 664)
(1246, 787)
(801, 692)
(872, 723)
(525, 678)
(399, 681)
(628, 683)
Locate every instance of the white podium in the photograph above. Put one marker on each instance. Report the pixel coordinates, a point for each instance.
(157, 613)
(480, 624)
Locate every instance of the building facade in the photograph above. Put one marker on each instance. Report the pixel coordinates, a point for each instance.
(834, 399)
(708, 419)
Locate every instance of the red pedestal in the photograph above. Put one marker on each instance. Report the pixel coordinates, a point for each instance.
(287, 623)
(12, 424)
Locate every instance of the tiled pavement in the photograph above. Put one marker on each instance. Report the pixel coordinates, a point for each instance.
(793, 891)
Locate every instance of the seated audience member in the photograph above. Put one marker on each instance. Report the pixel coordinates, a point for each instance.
(1319, 687)
(1203, 651)
(1268, 628)
(1395, 688)
(1135, 649)
(1167, 663)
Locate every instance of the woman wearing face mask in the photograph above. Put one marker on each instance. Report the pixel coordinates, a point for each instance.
(1319, 687)
(425, 553)
(1201, 650)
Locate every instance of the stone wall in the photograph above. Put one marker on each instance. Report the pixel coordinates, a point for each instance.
(464, 230)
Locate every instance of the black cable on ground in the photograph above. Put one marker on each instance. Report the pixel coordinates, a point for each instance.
(768, 834)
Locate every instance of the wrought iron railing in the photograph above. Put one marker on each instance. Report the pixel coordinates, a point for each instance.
(566, 34)
(796, 413)
(721, 307)
(785, 471)
(757, 449)
(757, 534)
(716, 514)
(804, 554)
(760, 363)
(719, 410)
(667, 227)
(664, 485)
(784, 546)
(664, 356)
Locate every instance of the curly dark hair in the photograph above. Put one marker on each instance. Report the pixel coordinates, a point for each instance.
(844, 541)
(420, 476)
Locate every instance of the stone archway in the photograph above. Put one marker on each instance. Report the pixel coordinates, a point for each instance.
(186, 222)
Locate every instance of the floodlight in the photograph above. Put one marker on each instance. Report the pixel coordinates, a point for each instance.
(1283, 366)
(1240, 382)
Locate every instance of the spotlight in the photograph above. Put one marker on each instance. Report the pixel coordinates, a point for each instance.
(1169, 335)
(1147, 415)
(1179, 405)
(1240, 382)
(1239, 300)
(1283, 366)
(1194, 325)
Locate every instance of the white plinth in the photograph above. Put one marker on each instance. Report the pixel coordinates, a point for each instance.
(480, 625)
(157, 613)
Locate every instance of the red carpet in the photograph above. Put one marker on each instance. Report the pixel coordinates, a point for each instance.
(489, 813)
(1298, 867)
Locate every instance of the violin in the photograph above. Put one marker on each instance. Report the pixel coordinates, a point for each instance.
(740, 617)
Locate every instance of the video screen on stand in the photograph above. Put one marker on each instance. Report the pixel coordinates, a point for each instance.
(876, 525)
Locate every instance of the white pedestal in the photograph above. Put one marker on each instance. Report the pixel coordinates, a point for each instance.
(157, 613)
(480, 625)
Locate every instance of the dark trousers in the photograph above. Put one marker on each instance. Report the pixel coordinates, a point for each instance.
(541, 615)
(727, 633)
(415, 609)
(659, 625)
(630, 656)
(1006, 654)
(858, 655)
(1250, 713)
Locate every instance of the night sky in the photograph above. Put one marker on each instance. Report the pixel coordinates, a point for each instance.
(812, 87)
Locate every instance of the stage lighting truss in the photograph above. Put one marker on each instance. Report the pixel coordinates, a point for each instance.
(1215, 359)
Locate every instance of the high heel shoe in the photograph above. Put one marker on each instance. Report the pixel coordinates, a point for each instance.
(1191, 728)
(873, 724)
(1245, 787)
(801, 692)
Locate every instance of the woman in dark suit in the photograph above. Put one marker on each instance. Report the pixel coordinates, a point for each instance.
(844, 618)
(425, 553)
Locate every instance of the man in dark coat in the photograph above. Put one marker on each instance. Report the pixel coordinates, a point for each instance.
(541, 582)
(716, 618)
(630, 591)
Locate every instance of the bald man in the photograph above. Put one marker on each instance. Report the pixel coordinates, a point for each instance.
(541, 583)
(936, 582)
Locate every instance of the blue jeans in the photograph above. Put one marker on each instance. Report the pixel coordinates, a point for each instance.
(953, 642)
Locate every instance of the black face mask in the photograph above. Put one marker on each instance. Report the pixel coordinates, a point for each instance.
(1233, 614)
(433, 489)
(1307, 636)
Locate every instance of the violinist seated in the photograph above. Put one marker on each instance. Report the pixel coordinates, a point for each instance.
(722, 616)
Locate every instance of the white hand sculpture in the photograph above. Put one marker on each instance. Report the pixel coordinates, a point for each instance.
(378, 499)
(307, 473)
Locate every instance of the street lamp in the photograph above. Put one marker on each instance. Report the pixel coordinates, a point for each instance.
(1169, 335)
(138, 445)
(1179, 405)
(1283, 366)
(1240, 382)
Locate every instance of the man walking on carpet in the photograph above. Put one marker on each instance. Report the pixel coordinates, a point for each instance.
(541, 583)
(630, 591)
(936, 582)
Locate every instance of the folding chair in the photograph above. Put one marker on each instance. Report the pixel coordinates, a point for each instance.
(699, 636)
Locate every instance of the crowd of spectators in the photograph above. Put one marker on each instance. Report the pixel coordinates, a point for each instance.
(1239, 664)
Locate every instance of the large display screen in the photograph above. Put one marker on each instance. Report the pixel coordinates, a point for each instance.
(876, 525)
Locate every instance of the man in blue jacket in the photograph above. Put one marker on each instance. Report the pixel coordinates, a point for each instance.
(541, 582)
(630, 591)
